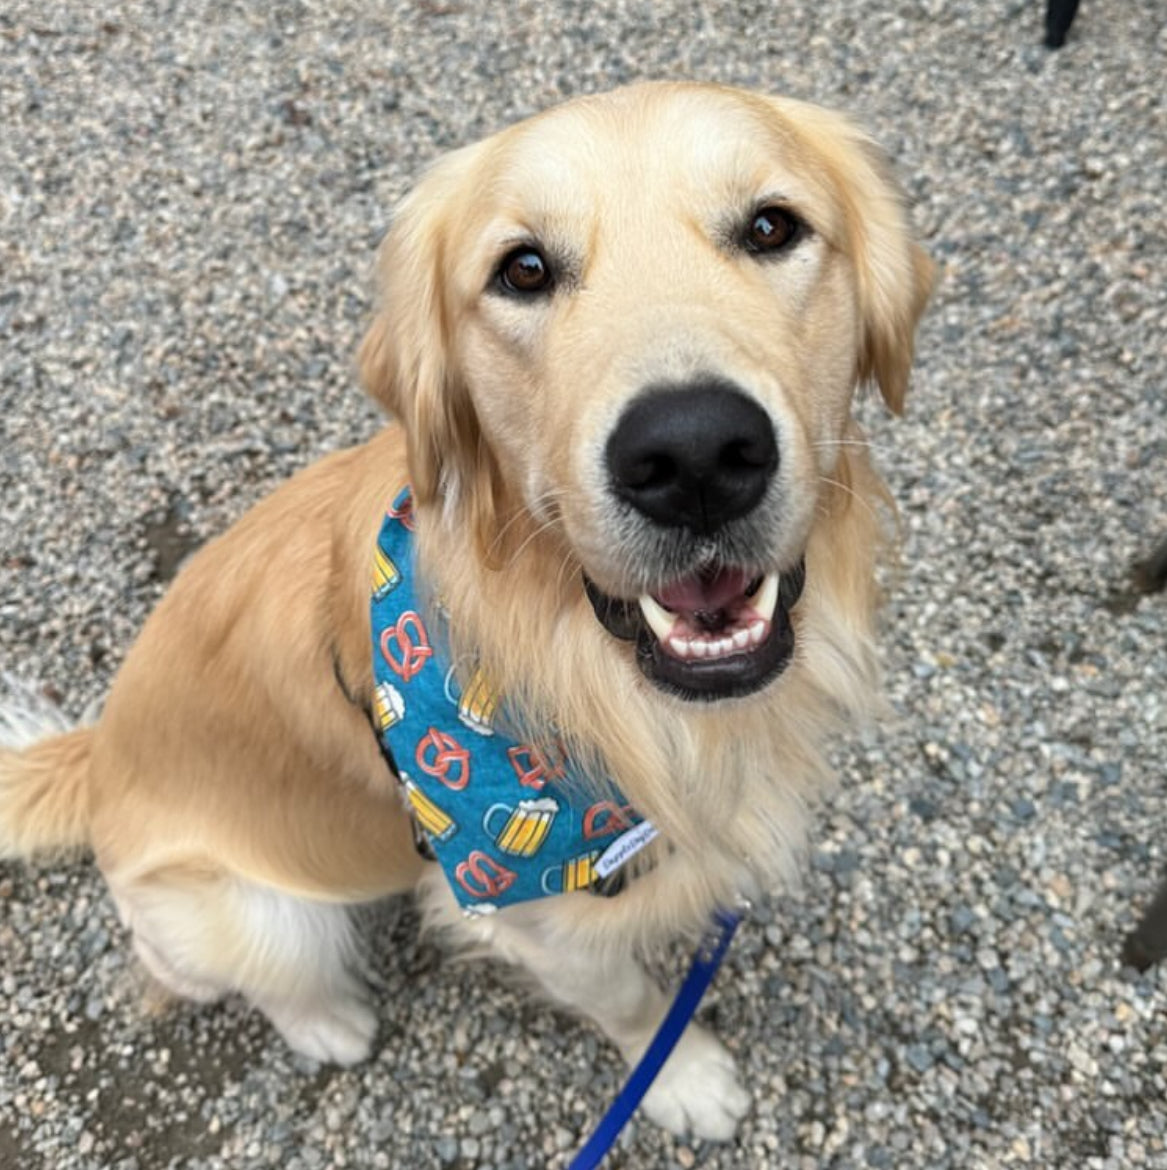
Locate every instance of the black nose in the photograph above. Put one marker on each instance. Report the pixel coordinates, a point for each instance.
(694, 456)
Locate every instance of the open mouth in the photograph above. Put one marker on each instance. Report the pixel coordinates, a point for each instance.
(715, 634)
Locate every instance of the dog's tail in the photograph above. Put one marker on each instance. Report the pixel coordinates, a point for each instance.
(44, 775)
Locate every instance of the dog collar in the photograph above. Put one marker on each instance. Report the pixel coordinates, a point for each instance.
(507, 820)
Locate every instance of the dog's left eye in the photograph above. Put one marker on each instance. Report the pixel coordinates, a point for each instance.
(524, 271)
(771, 229)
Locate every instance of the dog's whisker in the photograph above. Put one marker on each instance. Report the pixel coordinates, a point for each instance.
(501, 534)
(519, 514)
(545, 500)
(533, 535)
(541, 528)
(865, 443)
(567, 563)
(850, 491)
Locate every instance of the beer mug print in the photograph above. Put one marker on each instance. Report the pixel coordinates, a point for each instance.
(388, 706)
(521, 830)
(478, 702)
(386, 575)
(576, 873)
(437, 823)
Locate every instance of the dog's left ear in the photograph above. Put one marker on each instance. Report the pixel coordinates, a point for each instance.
(407, 360)
(894, 275)
(890, 341)
(895, 281)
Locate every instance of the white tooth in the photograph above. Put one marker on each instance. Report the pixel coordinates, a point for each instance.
(698, 648)
(741, 639)
(767, 597)
(659, 619)
(757, 632)
(724, 647)
(679, 647)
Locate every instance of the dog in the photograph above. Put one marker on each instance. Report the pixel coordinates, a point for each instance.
(620, 344)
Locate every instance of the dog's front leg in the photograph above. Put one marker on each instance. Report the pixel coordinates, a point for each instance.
(697, 1091)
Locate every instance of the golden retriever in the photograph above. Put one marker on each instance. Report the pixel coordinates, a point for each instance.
(620, 342)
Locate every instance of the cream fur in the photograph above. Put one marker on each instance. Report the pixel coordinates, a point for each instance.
(232, 790)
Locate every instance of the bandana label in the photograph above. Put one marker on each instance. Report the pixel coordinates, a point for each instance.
(503, 818)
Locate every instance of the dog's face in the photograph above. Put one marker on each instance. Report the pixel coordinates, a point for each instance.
(639, 321)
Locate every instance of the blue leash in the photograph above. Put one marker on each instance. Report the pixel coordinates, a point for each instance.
(705, 963)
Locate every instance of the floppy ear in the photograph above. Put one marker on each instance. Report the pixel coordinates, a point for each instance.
(890, 340)
(895, 280)
(407, 360)
(893, 273)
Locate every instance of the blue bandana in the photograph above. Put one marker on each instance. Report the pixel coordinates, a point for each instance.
(506, 820)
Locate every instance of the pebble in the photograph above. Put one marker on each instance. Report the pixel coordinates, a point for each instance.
(190, 198)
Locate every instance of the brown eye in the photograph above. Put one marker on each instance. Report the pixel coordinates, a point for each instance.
(772, 229)
(524, 271)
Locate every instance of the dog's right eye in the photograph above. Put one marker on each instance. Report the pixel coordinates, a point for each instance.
(772, 229)
(524, 271)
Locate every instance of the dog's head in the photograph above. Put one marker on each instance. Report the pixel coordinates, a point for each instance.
(638, 321)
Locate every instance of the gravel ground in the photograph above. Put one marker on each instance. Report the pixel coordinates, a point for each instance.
(190, 195)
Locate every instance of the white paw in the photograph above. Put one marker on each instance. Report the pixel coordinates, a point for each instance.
(338, 1030)
(698, 1091)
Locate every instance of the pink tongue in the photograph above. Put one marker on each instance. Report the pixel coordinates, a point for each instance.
(698, 593)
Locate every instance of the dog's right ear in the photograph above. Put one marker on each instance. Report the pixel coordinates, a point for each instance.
(406, 359)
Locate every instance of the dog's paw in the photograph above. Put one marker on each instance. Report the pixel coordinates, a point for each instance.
(339, 1030)
(698, 1091)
